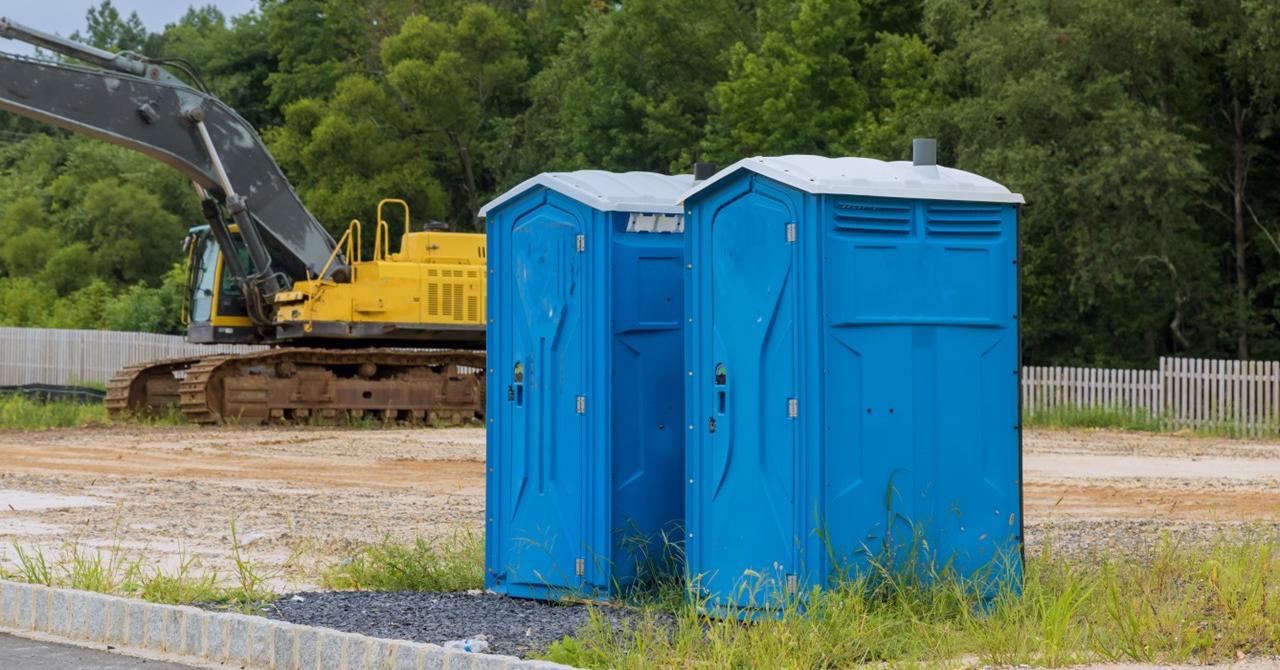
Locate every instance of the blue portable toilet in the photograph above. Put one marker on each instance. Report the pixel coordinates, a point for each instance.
(852, 384)
(585, 389)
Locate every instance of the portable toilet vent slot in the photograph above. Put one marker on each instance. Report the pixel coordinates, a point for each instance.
(655, 223)
(585, 394)
(851, 347)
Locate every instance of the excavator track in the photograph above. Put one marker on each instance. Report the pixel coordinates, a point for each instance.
(303, 385)
(146, 388)
(194, 391)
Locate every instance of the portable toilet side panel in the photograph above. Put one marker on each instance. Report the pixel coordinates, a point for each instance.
(584, 388)
(646, 272)
(920, 352)
(852, 388)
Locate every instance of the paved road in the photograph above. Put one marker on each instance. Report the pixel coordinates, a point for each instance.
(20, 653)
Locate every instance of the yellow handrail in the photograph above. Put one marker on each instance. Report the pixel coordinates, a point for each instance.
(354, 241)
(381, 241)
(405, 205)
(345, 239)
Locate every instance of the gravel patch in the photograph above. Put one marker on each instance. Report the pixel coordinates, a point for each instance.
(1137, 538)
(511, 626)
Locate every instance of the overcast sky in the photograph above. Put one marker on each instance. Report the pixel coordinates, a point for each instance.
(67, 16)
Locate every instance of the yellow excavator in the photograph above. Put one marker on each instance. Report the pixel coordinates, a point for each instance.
(397, 333)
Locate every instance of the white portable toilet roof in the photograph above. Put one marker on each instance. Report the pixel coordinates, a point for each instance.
(647, 192)
(868, 176)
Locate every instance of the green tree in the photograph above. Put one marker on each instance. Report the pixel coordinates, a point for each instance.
(455, 80)
(901, 75)
(234, 57)
(352, 150)
(24, 302)
(24, 254)
(629, 90)
(1240, 115)
(82, 308)
(148, 309)
(27, 166)
(25, 240)
(133, 237)
(87, 162)
(1059, 101)
(795, 93)
(315, 43)
(546, 23)
(21, 213)
(107, 29)
(65, 270)
(895, 17)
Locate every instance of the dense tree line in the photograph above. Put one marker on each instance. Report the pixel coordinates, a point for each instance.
(1142, 134)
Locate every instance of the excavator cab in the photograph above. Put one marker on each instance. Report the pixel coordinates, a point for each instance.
(215, 310)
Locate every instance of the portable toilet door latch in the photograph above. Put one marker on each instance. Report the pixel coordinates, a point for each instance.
(793, 408)
(582, 404)
(791, 233)
(580, 567)
(582, 242)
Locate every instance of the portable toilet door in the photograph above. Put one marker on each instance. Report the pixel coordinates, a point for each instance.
(745, 470)
(546, 438)
(584, 391)
(852, 386)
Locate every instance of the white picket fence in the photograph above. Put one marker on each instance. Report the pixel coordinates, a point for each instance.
(78, 357)
(1181, 392)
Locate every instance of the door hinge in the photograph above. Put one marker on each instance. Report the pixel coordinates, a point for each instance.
(793, 408)
(582, 242)
(793, 584)
(580, 567)
(791, 232)
(582, 404)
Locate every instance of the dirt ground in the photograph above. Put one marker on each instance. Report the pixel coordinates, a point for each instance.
(305, 497)
(1101, 475)
(310, 497)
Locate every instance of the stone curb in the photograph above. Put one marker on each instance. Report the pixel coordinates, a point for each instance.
(250, 642)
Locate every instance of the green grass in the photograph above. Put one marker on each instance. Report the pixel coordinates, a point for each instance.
(169, 416)
(456, 564)
(1091, 417)
(188, 583)
(118, 571)
(22, 413)
(1117, 419)
(1177, 604)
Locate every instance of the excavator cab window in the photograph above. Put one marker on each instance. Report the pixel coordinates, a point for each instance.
(205, 256)
(228, 285)
(230, 300)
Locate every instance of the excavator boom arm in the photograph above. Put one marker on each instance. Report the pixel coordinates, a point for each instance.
(144, 108)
